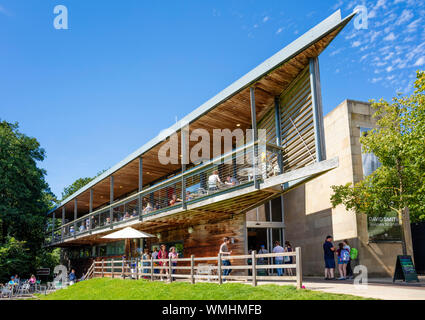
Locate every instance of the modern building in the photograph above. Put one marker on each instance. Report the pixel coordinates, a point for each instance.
(270, 179)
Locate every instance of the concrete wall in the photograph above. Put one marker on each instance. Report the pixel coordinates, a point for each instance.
(309, 216)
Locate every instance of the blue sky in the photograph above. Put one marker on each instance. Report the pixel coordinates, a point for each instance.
(125, 70)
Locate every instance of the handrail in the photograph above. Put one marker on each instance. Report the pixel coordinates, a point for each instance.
(165, 183)
(133, 268)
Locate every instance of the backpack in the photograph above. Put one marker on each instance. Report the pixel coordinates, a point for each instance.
(354, 253)
(345, 255)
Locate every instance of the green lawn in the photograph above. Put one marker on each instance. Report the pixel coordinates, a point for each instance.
(117, 289)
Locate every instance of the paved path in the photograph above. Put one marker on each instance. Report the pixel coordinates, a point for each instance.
(383, 289)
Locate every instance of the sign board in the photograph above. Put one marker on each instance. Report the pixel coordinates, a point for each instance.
(43, 272)
(405, 269)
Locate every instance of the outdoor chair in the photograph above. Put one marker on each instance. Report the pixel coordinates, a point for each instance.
(205, 269)
(23, 289)
(6, 292)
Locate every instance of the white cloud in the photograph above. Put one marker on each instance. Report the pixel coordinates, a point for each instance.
(412, 27)
(356, 44)
(279, 30)
(405, 16)
(390, 37)
(266, 18)
(420, 62)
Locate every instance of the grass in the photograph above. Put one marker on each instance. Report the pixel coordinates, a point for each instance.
(117, 289)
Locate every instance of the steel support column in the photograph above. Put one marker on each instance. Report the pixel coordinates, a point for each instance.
(278, 132)
(111, 200)
(75, 217)
(53, 226)
(140, 204)
(316, 99)
(63, 222)
(184, 159)
(91, 210)
(254, 137)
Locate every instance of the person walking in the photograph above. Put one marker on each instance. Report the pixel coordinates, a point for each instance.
(163, 254)
(263, 261)
(224, 250)
(174, 255)
(72, 277)
(278, 260)
(343, 258)
(288, 260)
(349, 270)
(146, 256)
(329, 256)
(154, 257)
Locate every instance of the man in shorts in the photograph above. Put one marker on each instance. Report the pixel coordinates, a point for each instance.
(329, 256)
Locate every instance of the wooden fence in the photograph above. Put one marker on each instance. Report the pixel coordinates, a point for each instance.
(204, 268)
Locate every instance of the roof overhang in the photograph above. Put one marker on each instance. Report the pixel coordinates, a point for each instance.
(291, 58)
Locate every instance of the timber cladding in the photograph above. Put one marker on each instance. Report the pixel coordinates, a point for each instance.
(207, 236)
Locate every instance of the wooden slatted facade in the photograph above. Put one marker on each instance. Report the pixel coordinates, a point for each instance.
(289, 81)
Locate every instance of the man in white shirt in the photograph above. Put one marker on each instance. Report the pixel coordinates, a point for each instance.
(214, 181)
(278, 260)
(224, 250)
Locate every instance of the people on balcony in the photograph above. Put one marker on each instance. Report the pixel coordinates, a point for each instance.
(231, 181)
(127, 216)
(148, 208)
(188, 196)
(214, 181)
(174, 200)
(71, 230)
(134, 214)
(82, 227)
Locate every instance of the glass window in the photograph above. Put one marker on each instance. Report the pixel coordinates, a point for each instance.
(115, 248)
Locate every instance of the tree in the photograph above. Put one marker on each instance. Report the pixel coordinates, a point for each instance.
(399, 144)
(77, 185)
(25, 198)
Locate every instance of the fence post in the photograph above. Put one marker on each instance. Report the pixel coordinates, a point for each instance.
(254, 268)
(151, 268)
(137, 268)
(112, 267)
(299, 268)
(192, 269)
(220, 280)
(103, 263)
(122, 268)
(169, 269)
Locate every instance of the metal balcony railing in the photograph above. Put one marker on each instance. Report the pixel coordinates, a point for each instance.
(228, 172)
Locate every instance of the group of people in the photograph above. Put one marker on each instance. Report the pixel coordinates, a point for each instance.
(158, 266)
(214, 181)
(15, 282)
(277, 260)
(344, 253)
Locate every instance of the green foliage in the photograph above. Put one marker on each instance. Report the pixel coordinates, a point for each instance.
(24, 200)
(77, 185)
(13, 258)
(117, 289)
(398, 142)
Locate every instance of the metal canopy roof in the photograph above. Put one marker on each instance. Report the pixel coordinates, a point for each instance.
(312, 36)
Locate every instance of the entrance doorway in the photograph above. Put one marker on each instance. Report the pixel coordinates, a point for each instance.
(264, 236)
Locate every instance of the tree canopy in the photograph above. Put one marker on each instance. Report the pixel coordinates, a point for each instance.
(77, 185)
(25, 198)
(398, 142)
